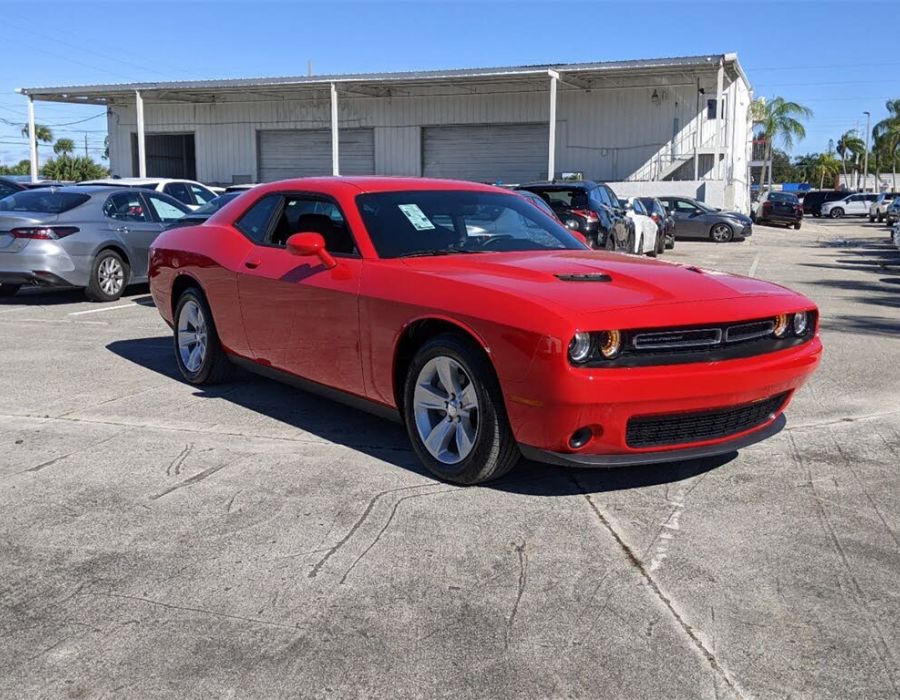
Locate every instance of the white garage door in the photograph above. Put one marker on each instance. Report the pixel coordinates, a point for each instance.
(287, 153)
(510, 153)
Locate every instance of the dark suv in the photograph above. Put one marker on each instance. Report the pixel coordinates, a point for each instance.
(615, 231)
(813, 201)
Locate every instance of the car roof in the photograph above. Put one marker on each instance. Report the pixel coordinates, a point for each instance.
(353, 185)
(562, 184)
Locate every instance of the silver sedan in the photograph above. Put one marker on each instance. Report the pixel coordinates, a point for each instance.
(97, 238)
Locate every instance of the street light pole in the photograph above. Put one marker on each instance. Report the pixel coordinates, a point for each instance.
(866, 159)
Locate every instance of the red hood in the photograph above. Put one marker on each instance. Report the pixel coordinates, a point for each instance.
(634, 281)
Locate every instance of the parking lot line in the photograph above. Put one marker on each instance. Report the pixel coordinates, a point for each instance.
(105, 308)
(754, 265)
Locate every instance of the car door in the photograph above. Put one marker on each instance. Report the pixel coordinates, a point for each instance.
(128, 214)
(688, 219)
(300, 316)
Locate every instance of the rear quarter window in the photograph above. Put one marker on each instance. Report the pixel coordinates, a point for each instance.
(44, 201)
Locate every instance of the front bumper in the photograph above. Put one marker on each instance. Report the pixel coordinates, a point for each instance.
(604, 400)
(563, 459)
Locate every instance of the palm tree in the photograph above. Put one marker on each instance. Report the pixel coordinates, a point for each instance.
(780, 120)
(850, 144)
(63, 147)
(826, 165)
(886, 135)
(42, 134)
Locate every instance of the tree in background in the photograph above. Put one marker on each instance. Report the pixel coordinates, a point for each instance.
(23, 167)
(886, 135)
(850, 144)
(779, 120)
(66, 168)
(42, 134)
(825, 165)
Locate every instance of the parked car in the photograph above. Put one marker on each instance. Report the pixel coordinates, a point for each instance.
(198, 216)
(778, 208)
(583, 225)
(486, 347)
(647, 238)
(663, 219)
(813, 201)
(240, 188)
(878, 208)
(190, 193)
(9, 186)
(614, 230)
(893, 213)
(694, 219)
(850, 205)
(92, 237)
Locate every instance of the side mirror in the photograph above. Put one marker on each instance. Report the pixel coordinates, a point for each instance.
(305, 245)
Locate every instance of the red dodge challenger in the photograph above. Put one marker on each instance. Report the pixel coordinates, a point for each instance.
(482, 324)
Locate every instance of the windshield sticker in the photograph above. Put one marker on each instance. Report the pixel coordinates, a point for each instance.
(416, 217)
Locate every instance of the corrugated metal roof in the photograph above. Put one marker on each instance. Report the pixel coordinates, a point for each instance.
(88, 91)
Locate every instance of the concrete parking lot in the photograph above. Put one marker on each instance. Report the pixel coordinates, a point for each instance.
(252, 540)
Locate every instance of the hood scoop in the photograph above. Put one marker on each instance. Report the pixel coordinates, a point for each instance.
(585, 277)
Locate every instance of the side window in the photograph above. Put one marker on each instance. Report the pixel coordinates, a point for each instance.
(255, 221)
(125, 206)
(166, 211)
(684, 207)
(307, 214)
(179, 191)
(202, 194)
(6, 190)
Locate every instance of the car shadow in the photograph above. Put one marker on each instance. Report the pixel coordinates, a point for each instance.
(387, 441)
(54, 296)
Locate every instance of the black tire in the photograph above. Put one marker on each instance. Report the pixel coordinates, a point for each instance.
(670, 244)
(611, 242)
(9, 290)
(97, 289)
(836, 213)
(653, 253)
(494, 451)
(660, 243)
(725, 233)
(871, 219)
(797, 226)
(817, 216)
(879, 218)
(215, 366)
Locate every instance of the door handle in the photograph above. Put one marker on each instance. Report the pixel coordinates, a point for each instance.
(122, 229)
(252, 264)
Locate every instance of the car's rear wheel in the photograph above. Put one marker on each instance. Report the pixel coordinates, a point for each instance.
(871, 219)
(198, 352)
(109, 275)
(837, 213)
(797, 226)
(9, 290)
(721, 233)
(880, 218)
(454, 413)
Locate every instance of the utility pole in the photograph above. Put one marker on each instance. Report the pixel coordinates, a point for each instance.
(85, 146)
(866, 159)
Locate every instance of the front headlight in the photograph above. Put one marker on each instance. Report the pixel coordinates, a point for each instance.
(782, 325)
(580, 347)
(801, 323)
(610, 343)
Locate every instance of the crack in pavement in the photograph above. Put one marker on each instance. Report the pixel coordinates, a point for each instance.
(194, 479)
(520, 589)
(51, 462)
(385, 527)
(635, 562)
(365, 514)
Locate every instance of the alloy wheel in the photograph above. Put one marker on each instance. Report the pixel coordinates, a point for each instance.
(721, 233)
(192, 336)
(111, 276)
(445, 406)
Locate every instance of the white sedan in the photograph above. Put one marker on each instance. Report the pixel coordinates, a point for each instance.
(646, 231)
(189, 192)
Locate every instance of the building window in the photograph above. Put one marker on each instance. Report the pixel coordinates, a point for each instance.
(710, 109)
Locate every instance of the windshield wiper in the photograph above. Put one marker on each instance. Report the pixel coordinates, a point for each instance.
(436, 252)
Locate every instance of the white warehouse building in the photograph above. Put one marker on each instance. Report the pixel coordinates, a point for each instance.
(660, 126)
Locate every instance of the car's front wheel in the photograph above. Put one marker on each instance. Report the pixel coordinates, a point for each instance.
(9, 290)
(454, 413)
(837, 213)
(721, 233)
(198, 352)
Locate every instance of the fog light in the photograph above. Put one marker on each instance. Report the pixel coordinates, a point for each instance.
(801, 322)
(580, 438)
(580, 347)
(781, 325)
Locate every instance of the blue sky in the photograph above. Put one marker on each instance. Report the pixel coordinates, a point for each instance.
(837, 58)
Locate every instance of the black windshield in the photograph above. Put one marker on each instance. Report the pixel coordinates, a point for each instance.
(458, 221)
